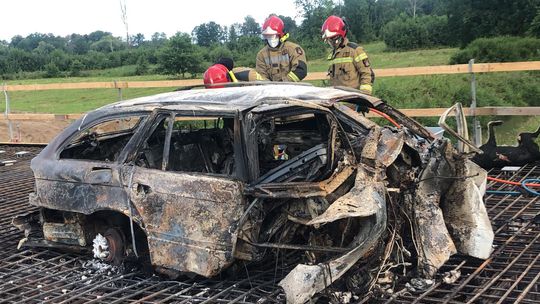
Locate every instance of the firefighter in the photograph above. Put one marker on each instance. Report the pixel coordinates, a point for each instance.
(280, 59)
(348, 63)
(224, 71)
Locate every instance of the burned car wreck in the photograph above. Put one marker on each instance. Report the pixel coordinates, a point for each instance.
(197, 181)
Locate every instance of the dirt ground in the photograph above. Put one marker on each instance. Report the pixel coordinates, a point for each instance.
(32, 131)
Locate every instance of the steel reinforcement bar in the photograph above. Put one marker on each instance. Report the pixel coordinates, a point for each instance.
(510, 275)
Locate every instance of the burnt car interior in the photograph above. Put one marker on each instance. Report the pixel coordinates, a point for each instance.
(103, 141)
(197, 144)
(298, 137)
(295, 146)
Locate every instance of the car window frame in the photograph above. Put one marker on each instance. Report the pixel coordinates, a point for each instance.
(170, 115)
(145, 115)
(255, 182)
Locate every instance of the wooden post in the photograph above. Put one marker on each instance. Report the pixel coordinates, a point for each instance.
(119, 87)
(6, 113)
(477, 129)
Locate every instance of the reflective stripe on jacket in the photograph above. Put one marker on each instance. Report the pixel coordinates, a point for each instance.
(246, 74)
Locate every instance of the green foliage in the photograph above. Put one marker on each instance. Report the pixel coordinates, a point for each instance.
(51, 70)
(534, 29)
(406, 33)
(404, 24)
(219, 52)
(250, 27)
(179, 56)
(142, 67)
(315, 13)
(107, 43)
(76, 68)
(209, 33)
(245, 50)
(488, 18)
(499, 49)
(289, 25)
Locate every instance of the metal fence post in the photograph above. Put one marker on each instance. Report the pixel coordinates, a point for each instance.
(477, 129)
(7, 111)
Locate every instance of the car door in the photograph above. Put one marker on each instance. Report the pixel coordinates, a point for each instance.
(183, 185)
(82, 175)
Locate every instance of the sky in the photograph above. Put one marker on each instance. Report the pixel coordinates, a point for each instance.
(64, 17)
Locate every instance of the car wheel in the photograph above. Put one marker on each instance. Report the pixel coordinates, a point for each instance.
(110, 247)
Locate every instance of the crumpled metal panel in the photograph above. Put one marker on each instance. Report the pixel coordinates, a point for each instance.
(190, 219)
(389, 146)
(432, 237)
(306, 280)
(465, 213)
(363, 199)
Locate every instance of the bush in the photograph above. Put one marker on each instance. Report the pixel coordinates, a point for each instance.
(499, 49)
(142, 67)
(51, 70)
(407, 33)
(76, 68)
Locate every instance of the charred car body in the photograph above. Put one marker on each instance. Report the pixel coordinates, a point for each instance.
(193, 181)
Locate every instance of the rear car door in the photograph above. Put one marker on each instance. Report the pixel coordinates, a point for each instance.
(184, 184)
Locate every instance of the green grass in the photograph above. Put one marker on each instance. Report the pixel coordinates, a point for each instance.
(493, 89)
(380, 59)
(71, 101)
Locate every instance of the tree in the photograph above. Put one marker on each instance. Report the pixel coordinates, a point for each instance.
(414, 6)
(359, 15)
(289, 24)
(207, 34)
(315, 13)
(137, 40)
(534, 29)
(219, 52)
(107, 43)
(123, 9)
(488, 18)
(142, 66)
(250, 27)
(179, 56)
(76, 68)
(158, 39)
(78, 44)
(51, 70)
(97, 36)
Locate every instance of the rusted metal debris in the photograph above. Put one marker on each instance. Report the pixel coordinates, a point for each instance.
(197, 182)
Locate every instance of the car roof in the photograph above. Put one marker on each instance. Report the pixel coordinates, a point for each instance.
(237, 98)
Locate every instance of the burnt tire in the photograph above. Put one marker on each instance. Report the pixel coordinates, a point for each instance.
(117, 246)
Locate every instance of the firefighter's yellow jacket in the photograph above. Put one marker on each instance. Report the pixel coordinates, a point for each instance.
(349, 66)
(245, 74)
(287, 62)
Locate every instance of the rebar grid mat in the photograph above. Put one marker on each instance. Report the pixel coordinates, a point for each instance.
(511, 275)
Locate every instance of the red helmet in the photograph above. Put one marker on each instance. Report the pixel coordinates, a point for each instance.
(273, 26)
(332, 27)
(217, 73)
